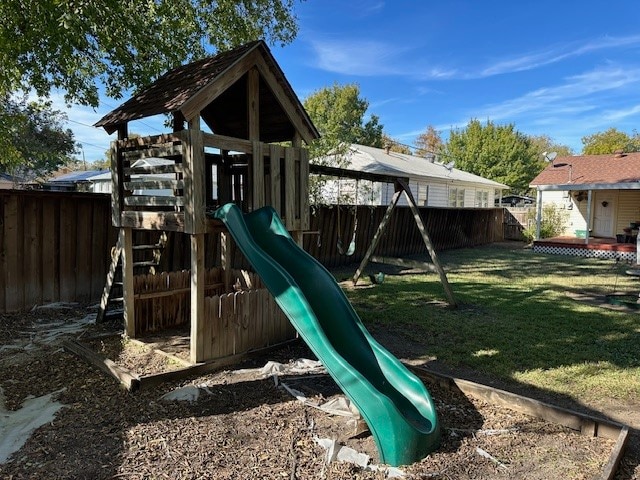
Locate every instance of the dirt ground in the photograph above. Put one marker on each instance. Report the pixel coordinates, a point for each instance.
(244, 426)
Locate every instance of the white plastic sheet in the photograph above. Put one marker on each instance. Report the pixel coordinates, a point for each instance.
(17, 426)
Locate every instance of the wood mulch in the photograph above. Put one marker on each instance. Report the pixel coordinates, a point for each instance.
(245, 427)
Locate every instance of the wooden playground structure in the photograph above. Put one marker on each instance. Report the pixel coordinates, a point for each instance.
(243, 97)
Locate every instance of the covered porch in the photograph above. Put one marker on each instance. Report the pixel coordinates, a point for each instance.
(593, 247)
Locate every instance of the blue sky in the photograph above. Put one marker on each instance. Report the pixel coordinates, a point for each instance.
(562, 68)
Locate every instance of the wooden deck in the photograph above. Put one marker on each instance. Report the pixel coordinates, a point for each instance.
(595, 247)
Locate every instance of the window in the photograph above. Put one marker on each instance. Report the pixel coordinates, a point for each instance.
(456, 197)
(423, 195)
(482, 198)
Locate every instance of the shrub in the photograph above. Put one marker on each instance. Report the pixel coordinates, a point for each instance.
(554, 221)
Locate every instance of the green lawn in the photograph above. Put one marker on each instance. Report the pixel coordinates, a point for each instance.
(516, 321)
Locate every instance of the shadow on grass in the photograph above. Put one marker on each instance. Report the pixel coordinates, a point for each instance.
(515, 323)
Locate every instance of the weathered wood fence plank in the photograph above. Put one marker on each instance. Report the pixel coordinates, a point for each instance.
(55, 246)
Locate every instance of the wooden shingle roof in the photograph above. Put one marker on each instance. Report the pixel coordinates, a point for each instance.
(593, 170)
(215, 88)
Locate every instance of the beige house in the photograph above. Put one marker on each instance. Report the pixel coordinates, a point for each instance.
(600, 193)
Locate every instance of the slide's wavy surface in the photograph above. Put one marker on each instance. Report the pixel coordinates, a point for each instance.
(392, 400)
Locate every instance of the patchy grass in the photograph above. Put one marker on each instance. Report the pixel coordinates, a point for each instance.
(516, 321)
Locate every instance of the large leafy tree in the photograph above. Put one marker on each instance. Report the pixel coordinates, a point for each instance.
(497, 152)
(338, 113)
(34, 141)
(609, 141)
(544, 143)
(74, 46)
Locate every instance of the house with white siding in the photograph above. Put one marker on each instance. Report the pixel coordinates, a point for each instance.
(99, 181)
(432, 184)
(600, 195)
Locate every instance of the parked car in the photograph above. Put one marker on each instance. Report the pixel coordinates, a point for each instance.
(515, 201)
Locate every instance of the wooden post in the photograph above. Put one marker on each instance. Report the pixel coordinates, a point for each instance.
(275, 152)
(178, 121)
(197, 298)
(256, 167)
(253, 104)
(194, 183)
(304, 189)
(427, 242)
(257, 177)
(126, 234)
(117, 182)
(225, 259)
(290, 188)
(12, 254)
(378, 235)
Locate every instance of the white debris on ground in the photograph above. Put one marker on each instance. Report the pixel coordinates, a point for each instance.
(17, 426)
(337, 405)
(274, 369)
(336, 452)
(188, 393)
(48, 332)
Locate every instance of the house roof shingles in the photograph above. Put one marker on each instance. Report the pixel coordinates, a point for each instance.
(377, 160)
(594, 170)
(172, 91)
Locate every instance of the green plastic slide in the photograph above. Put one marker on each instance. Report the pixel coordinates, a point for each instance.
(392, 400)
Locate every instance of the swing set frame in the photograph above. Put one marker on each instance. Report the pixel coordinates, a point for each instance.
(401, 186)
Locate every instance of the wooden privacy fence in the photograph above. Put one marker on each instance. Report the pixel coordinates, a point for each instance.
(516, 219)
(55, 246)
(448, 228)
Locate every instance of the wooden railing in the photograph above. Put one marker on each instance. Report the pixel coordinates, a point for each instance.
(192, 171)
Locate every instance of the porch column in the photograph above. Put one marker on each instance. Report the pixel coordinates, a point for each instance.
(589, 193)
(538, 213)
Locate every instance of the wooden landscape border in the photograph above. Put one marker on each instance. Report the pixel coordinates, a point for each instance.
(133, 382)
(581, 422)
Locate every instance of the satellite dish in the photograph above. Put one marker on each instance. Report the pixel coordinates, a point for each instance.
(449, 166)
(550, 157)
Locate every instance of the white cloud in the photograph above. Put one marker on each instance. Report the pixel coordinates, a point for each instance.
(581, 104)
(556, 54)
(576, 95)
(356, 57)
(381, 58)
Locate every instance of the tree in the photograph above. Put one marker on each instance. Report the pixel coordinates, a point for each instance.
(497, 152)
(394, 145)
(429, 142)
(124, 45)
(609, 141)
(33, 141)
(338, 113)
(544, 143)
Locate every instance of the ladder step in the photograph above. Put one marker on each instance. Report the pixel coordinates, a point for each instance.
(113, 314)
(157, 246)
(146, 264)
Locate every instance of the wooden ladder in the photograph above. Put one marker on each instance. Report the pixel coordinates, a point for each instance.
(112, 299)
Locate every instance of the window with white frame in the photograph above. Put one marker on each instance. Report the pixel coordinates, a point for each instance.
(456, 197)
(423, 195)
(482, 198)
